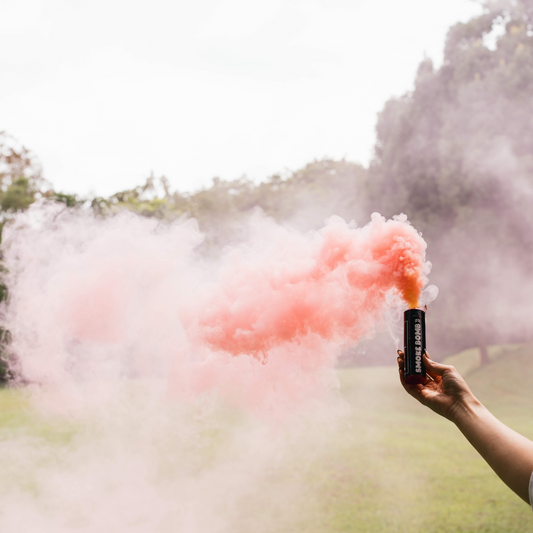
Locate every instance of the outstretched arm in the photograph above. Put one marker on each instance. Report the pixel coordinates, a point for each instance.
(507, 452)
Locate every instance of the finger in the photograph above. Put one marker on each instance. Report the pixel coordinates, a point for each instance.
(432, 368)
(399, 359)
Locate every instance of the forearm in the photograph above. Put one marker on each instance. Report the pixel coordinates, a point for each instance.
(507, 452)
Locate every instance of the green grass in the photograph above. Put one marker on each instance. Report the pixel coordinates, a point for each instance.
(401, 468)
(394, 466)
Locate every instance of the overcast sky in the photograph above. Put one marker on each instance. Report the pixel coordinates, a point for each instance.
(107, 91)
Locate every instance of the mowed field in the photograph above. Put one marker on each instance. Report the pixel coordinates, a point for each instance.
(402, 468)
(393, 466)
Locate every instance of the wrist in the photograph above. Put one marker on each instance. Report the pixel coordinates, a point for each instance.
(465, 409)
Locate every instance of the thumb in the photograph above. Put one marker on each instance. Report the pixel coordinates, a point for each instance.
(433, 368)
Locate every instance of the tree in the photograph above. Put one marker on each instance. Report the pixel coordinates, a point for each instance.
(303, 199)
(21, 181)
(456, 155)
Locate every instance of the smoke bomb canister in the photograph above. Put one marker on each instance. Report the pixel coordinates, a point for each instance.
(414, 338)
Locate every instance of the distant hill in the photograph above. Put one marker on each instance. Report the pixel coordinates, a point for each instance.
(506, 383)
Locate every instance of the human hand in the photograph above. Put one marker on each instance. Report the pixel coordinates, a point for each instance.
(445, 391)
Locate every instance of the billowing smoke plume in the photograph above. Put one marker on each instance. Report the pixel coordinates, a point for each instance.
(178, 384)
(92, 298)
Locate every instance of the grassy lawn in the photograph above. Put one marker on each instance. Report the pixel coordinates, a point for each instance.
(401, 468)
(394, 466)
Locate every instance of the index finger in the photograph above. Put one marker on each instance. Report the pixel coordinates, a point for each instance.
(400, 359)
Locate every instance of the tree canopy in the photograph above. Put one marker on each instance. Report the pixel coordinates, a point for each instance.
(456, 155)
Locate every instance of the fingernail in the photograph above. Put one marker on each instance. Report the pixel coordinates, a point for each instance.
(398, 352)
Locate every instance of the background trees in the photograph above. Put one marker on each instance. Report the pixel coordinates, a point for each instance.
(21, 181)
(303, 198)
(456, 155)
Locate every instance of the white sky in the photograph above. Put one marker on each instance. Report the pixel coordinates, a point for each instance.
(106, 91)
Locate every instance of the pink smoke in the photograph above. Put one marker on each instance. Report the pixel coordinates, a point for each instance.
(332, 285)
(186, 382)
(97, 301)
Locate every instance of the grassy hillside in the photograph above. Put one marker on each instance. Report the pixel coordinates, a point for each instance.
(393, 466)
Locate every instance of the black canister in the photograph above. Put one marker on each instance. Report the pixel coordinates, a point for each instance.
(414, 338)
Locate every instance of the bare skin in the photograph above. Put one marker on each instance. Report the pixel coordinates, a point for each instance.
(507, 452)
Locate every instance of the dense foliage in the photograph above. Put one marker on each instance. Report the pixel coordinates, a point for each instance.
(456, 155)
(303, 199)
(20, 185)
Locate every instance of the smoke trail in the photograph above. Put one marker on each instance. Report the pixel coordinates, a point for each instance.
(332, 284)
(173, 372)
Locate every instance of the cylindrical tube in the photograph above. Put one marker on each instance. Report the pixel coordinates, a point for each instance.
(414, 338)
